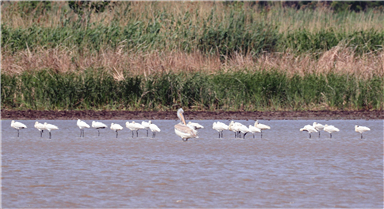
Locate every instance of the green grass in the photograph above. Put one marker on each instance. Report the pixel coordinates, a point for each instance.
(252, 91)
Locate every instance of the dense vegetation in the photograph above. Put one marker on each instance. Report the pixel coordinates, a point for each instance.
(202, 55)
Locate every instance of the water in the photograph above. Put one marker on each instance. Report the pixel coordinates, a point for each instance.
(283, 169)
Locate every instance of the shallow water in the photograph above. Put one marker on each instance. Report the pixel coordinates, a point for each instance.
(283, 169)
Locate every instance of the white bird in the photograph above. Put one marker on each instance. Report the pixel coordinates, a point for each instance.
(254, 130)
(243, 129)
(18, 126)
(330, 129)
(50, 127)
(196, 125)
(81, 124)
(40, 127)
(182, 129)
(146, 125)
(261, 127)
(308, 128)
(116, 127)
(220, 127)
(361, 129)
(134, 127)
(235, 127)
(319, 127)
(154, 129)
(98, 125)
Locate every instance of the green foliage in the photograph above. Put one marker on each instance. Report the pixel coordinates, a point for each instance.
(37, 7)
(80, 6)
(261, 90)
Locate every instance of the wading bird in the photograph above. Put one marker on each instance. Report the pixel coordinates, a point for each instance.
(220, 127)
(361, 130)
(254, 130)
(146, 125)
(182, 129)
(308, 128)
(235, 127)
(196, 125)
(154, 129)
(116, 127)
(134, 127)
(244, 129)
(81, 124)
(18, 126)
(261, 127)
(330, 129)
(40, 127)
(50, 127)
(98, 126)
(319, 127)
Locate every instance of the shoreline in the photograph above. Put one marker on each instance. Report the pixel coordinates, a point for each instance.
(190, 115)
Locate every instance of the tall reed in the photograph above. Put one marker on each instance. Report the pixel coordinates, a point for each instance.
(241, 90)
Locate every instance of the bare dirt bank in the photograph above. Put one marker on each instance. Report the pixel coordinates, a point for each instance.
(190, 115)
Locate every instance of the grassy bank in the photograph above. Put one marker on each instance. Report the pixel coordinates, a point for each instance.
(241, 90)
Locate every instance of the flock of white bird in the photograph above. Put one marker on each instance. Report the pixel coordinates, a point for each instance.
(184, 130)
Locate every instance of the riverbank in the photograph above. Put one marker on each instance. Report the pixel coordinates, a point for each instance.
(191, 115)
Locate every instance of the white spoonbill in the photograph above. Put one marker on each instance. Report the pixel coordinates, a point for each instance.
(220, 127)
(40, 127)
(196, 125)
(261, 127)
(81, 124)
(98, 126)
(361, 130)
(308, 128)
(18, 126)
(134, 127)
(235, 127)
(116, 127)
(243, 129)
(254, 130)
(146, 125)
(330, 129)
(182, 129)
(154, 129)
(50, 127)
(319, 127)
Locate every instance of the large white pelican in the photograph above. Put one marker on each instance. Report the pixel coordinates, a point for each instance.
(182, 129)
(361, 129)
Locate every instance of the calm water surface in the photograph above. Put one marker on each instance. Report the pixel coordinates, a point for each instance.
(283, 169)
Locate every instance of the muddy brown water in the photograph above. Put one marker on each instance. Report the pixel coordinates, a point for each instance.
(283, 169)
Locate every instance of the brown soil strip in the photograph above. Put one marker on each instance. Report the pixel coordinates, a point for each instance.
(190, 115)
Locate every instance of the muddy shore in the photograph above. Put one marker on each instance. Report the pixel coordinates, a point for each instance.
(190, 115)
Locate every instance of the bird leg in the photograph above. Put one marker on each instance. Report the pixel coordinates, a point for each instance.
(319, 134)
(17, 132)
(330, 135)
(137, 133)
(309, 135)
(117, 133)
(41, 133)
(222, 134)
(361, 136)
(147, 132)
(261, 132)
(49, 135)
(132, 134)
(98, 132)
(244, 135)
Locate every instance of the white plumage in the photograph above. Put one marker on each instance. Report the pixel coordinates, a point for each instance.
(254, 130)
(134, 127)
(220, 127)
(154, 129)
(98, 125)
(81, 124)
(195, 125)
(116, 127)
(146, 125)
(243, 129)
(319, 127)
(330, 129)
(40, 127)
(261, 127)
(17, 126)
(182, 129)
(361, 129)
(50, 127)
(308, 128)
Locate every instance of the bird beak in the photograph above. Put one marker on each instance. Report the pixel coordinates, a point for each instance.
(182, 118)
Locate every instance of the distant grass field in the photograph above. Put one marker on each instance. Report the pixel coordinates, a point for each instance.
(198, 55)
